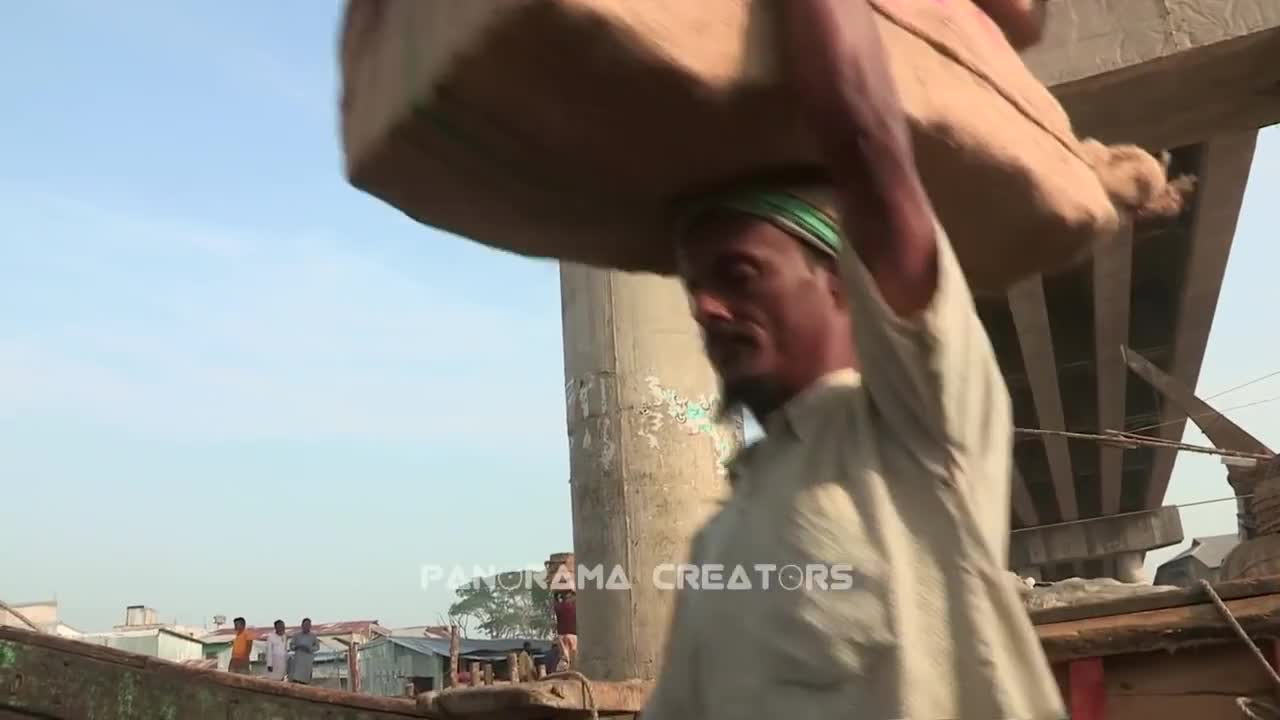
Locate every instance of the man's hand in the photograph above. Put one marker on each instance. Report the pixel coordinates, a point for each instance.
(837, 66)
(1021, 20)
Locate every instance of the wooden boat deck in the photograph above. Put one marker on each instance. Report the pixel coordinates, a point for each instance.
(1168, 621)
(43, 676)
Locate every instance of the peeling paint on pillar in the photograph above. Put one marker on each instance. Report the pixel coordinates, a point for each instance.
(578, 404)
(587, 403)
(695, 416)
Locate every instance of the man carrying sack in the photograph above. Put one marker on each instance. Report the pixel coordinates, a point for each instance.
(837, 313)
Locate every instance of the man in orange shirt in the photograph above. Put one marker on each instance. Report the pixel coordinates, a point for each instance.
(241, 649)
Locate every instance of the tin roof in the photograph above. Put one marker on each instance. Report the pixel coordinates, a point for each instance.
(349, 627)
(138, 632)
(435, 631)
(468, 649)
(1209, 550)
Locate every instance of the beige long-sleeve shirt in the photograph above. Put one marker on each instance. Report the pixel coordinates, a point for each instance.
(896, 480)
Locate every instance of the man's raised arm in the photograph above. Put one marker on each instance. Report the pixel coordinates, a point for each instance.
(837, 67)
(924, 355)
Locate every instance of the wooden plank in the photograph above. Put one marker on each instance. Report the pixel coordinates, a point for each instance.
(1233, 590)
(1220, 430)
(58, 678)
(454, 654)
(1165, 629)
(1189, 685)
(353, 666)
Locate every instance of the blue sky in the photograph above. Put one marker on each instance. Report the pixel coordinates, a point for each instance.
(230, 383)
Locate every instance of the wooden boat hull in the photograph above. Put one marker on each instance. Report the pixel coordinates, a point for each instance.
(43, 676)
(1169, 655)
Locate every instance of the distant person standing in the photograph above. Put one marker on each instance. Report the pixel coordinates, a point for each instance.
(567, 629)
(305, 644)
(241, 648)
(277, 652)
(524, 664)
(552, 658)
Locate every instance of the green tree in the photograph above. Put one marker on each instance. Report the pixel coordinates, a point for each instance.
(508, 605)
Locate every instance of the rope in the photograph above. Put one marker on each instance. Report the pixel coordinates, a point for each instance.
(587, 693)
(1136, 512)
(1246, 705)
(1252, 708)
(1129, 440)
(1210, 414)
(1259, 379)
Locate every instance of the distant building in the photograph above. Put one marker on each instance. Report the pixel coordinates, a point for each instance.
(156, 642)
(140, 617)
(143, 634)
(40, 616)
(1201, 561)
(391, 664)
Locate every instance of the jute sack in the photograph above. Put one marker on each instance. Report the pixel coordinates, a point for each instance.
(569, 128)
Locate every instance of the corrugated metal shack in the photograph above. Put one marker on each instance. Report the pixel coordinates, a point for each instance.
(389, 665)
(1201, 561)
(158, 642)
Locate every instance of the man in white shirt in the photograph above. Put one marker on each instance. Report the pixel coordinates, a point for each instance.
(277, 652)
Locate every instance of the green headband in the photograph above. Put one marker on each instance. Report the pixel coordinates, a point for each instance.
(790, 212)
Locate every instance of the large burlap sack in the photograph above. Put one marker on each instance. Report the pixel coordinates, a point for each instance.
(1257, 557)
(565, 128)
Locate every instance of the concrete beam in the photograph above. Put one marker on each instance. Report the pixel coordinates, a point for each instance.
(1112, 273)
(1224, 173)
(1110, 536)
(1162, 73)
(1024, 511)
(1031, 319)
(1223, 433)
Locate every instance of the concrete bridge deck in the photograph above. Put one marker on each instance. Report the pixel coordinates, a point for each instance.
(1193, 77)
